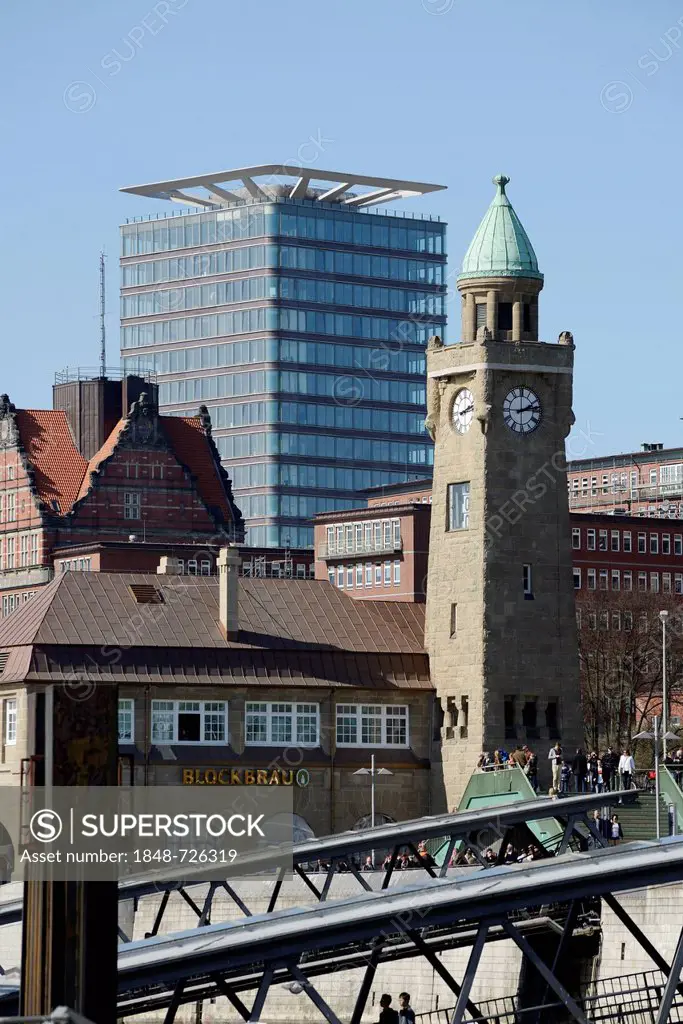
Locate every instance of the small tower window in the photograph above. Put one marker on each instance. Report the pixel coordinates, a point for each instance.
(509, 713)
(526, 318)
(505, 316)
(481, 314)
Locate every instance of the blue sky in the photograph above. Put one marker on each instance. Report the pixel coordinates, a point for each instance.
(578, 103)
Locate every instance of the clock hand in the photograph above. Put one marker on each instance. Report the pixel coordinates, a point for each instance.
(463, 412)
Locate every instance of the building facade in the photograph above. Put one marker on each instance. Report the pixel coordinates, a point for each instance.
(295, 679)
(648, 482)
(101, 479)
(500, 621)
(300, 316)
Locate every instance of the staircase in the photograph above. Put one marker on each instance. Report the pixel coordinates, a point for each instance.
(639, 818)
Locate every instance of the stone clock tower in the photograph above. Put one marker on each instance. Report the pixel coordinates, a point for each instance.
(500, 619)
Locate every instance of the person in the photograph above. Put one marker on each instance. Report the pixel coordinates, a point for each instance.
(599, 784)
(387, 1015)
(489, 855)
(368, 866)
(510, 855)
(555, 758)
(519, 757)
(580, 769)
(593, 771)
(608, 769)
(627, 767)
(531, 771)
(404, 863)
(565, 778)
(386, 863)
(406, 1014)
(601, 825)
(616, 833)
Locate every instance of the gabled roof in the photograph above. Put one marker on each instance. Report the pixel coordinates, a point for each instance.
(57, 464)
(99, 457)
(501, 246)
(193, 448)
(100, 609)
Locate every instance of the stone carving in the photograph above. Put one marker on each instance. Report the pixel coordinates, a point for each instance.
(484, 418)
(566, 338)
(484, 334)
(435, 389)
(205, 419)
(434, 342)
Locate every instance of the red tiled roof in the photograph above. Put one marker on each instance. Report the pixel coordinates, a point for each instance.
(193, 448)
(58, 465)
(103, 453)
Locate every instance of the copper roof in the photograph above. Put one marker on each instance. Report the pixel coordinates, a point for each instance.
(57, 464)
(90, 608)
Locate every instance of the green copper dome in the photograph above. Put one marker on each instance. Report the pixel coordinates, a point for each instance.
(501, 246)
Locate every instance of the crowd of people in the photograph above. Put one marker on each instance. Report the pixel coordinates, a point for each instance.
(579, 772)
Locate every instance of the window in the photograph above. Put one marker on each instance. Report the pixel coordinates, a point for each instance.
(591, 578)
(331, 575)
(340, 577)
(654, 582)
(278, 724)
(189, 721)
(359, 574)
(577, 579)
(11, 508)
(578, 618)
(666, 582)
(372, 725)
(628, 579)
(397, 572)
(11, 721)
(602, 540)
(527, 581)
(454, 619)
(616, 621)
(616, 579)
(590, 540)
(654, 543)
(131, 505)
(126, 721)
(387, 574)
(603, 579)
(628, 622)
(614, 537)
(653, 477)
(678, 544)
(481, 314)
(626, 542)
(458, 506)
(349, 577)
(666, 543)
(552, 719)
(604, 620)
(678, 583)
(9, 553)
(592, 620)
(509, 717)
(576, 537)
(642, 546)
(34, 549)
(368, 574)
(23, 550)
(642, 581)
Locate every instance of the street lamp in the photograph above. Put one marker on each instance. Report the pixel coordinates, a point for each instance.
(663, 616)
(372, 772)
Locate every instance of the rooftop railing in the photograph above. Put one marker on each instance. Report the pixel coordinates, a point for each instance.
(73, 374)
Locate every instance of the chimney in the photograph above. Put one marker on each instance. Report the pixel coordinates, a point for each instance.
(169, 566)
(229, 562)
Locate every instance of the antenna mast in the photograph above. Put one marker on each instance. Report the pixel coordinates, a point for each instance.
(103, 331)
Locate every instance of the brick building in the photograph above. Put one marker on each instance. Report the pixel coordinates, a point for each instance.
(610, 551)
(307, 683)
(648, 482)
(102, 482)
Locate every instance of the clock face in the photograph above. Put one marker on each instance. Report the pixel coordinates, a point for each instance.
(522, 410)
(463, 410)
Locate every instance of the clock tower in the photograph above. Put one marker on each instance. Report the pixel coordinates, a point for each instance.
(500, 619)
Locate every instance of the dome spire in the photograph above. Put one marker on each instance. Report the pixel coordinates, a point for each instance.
(501, 246)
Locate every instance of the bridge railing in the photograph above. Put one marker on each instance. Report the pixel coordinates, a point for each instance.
(629, 999)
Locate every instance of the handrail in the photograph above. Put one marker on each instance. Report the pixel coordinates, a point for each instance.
(671, 792)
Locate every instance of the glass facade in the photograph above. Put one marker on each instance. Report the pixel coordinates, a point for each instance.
(306, 342)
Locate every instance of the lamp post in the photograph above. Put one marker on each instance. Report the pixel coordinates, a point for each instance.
(372, 771)
(663, 616)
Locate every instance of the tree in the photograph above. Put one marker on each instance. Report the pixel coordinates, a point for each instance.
(620, 658)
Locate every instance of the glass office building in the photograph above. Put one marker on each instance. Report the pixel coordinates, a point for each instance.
(300, 317)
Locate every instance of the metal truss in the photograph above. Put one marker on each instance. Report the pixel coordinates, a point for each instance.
(367, 930)
(317, 861)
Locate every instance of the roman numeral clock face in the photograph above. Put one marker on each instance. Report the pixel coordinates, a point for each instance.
(522, 410)
(463, 410)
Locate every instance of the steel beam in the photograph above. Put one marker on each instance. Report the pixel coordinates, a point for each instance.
(671, 983)
(545, 972)
(315, 997)
(366, 984)
(470, 972)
